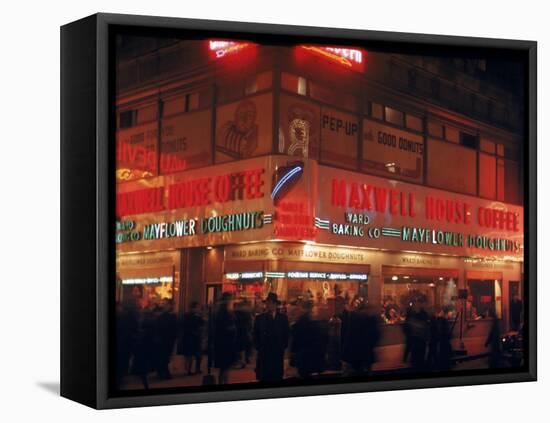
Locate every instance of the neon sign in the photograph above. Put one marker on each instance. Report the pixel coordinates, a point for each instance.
(190, 227)
(284, 178)
(295, 274)
(349, 57)
(244, 275)
(147, 281)
(193, 192)
(221, 48)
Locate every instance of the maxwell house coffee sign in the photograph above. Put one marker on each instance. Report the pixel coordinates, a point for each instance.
(212, 205)
(249, 200)
(363, 210)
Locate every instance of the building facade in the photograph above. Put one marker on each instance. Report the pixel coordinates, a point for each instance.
(318, 172)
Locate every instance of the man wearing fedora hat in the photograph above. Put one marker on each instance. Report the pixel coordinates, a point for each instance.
(271, 339)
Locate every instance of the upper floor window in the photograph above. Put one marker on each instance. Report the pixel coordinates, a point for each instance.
(376, 111)
(394, 116)
(259, 82)
(133, 117)
(127, 118)
(452, 134)
(413, 122)
(435, 129)
(294, 83)
(469, 140)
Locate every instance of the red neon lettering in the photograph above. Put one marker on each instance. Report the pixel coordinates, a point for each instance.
(367, 191)
(221, 188)
(498, 219)
(338, 193)
(380, 199)
(140, 201)
(253, 183)
(354, 200)
(412, 211)
(393, 202)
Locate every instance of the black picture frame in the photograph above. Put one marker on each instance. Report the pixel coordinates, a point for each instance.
(87, 204)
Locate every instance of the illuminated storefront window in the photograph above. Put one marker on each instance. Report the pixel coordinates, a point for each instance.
(435, 290)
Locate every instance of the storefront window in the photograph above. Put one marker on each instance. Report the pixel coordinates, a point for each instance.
(146, 292)
(484, 299)
(144, 281)
(404, 287)
(323, 284)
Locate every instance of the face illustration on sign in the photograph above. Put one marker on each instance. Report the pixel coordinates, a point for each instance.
(239, 138)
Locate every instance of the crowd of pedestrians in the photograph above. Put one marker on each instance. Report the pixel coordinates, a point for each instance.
(232, 335)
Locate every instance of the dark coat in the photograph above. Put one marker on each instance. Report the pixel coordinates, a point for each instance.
(309, 345)
(271, 340)
(440, 350)
(164, 337)
(244, 330)
(225, 339)
(516, 308)
(192, 334)
(493, 343)
(144, 348)
(418, 324)
(127, 330)
(362, 337)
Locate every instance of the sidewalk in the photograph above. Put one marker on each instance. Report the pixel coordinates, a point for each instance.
(389, 359)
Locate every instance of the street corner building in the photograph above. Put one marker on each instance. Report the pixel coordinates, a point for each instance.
(327, 175)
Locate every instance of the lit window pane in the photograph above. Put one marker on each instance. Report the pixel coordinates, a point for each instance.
(147, 114)
(394, 116)
(294, 83)
(173, 106)
(435, 129)
(414, 122)
(377, 111)
(193, 101)
(452, 134)
(487, 146)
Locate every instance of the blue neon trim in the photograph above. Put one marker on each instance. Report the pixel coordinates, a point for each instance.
(284, 180)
